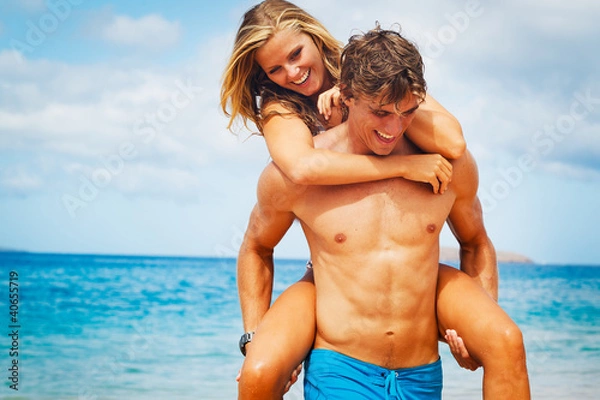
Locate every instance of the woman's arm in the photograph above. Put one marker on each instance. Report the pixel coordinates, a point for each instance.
(291, 146)
(435, 130)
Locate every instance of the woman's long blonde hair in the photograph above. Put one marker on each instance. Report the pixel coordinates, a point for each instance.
(245, 84)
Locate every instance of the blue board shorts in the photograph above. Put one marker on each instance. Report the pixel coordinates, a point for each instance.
(332, 375)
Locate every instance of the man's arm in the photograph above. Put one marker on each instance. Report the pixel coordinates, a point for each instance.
(267, 225)
(477, 253)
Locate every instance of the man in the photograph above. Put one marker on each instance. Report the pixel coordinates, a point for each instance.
(375, 246)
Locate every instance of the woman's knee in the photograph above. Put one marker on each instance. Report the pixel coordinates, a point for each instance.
(512, 338)
(506, 343)
(262, 372)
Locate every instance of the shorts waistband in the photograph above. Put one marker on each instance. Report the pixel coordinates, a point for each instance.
(334, 355)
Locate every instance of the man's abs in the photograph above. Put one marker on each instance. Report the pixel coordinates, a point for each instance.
(387, 319)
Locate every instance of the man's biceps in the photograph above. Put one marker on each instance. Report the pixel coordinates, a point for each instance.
(272, 223)
(270, 217)
(261, 240)
(465, 218)
(262, 221)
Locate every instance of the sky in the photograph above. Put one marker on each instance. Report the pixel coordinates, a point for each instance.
(112, 139)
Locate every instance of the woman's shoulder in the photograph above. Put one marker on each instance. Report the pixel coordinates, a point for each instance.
(291, 109)
(274, 106)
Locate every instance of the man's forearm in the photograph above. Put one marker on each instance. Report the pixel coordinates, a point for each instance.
(479, 261)
(255, 284)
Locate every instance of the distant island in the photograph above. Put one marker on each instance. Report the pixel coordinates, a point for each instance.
(8, 250)
(450, 254)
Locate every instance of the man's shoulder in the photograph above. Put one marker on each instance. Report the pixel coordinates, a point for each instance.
(270, 176)
(332, 139)
(274, 187)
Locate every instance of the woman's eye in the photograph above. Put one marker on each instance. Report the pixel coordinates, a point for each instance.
(296, 53)
(273, 70)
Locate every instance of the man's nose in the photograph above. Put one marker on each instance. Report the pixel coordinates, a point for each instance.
(395, 125)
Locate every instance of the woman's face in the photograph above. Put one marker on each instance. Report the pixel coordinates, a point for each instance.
(291, 60)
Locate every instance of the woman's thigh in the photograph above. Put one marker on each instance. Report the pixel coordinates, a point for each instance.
(287, 331)
(463, 305)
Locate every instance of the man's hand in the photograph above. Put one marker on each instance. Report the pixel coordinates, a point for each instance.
(429, 168)
(293, 378)
(459, 351)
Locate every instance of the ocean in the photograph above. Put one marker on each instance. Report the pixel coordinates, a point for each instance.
(135, 327)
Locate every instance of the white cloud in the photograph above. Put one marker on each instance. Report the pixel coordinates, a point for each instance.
(80, 115)
(148, 32)
(93, 106)
(18, 180)
(572, 172)
(559, 18)
(150, 180)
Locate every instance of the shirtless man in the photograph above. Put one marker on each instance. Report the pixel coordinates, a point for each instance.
(374, 246)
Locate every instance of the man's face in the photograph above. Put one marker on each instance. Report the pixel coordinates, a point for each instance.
(379, 127)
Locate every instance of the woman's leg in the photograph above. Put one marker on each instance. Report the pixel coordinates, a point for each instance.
(281, 342)
(490, 335)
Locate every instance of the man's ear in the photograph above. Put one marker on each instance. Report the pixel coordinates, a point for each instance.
(346, 95)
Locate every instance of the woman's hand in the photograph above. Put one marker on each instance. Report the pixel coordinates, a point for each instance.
(328, 100)
(429, 168)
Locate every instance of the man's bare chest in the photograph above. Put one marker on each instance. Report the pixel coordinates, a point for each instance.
(393, 210)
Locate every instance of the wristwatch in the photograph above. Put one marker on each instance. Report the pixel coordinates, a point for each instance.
(244, 340)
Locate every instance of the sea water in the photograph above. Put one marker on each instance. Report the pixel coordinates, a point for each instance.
(123, 327)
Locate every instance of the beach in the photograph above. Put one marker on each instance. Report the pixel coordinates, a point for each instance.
(115, 327)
